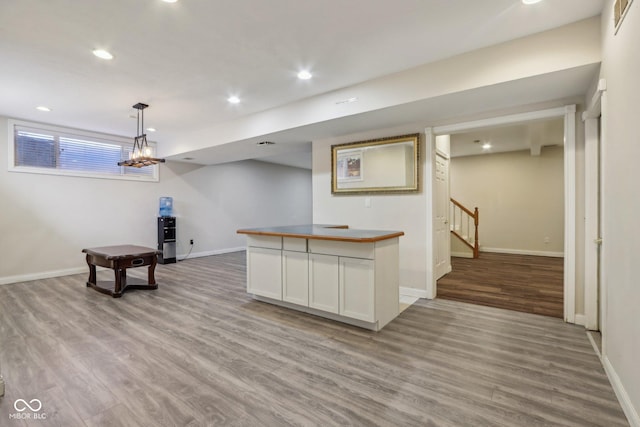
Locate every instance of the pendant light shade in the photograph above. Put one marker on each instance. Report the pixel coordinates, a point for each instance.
(141, 155)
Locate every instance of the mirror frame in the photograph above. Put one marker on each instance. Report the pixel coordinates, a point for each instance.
(412, 188)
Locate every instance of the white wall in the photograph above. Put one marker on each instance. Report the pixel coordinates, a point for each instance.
(620, 202)
(558, 49)
(47, 220)
(519, 196)
(404, 212)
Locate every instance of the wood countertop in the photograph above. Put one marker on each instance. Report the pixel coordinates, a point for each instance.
(340, 233)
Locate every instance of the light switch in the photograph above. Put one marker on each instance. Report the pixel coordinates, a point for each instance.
(367, 202)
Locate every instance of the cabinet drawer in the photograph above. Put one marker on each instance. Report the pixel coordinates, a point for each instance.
(294, 244)
(270, 242)
(133, 262)
(348, 249)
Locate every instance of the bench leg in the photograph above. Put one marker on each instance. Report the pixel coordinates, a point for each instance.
(121, 282)
(92, 272)
(151, 272)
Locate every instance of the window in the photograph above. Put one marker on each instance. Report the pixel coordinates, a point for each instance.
(46, 149)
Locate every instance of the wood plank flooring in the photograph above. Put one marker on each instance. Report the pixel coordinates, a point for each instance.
(200, 352)
(532, 284)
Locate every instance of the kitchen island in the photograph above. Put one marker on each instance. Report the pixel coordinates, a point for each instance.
(344, 274)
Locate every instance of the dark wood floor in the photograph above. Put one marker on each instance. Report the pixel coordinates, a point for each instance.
(532, 284)
(200, 352)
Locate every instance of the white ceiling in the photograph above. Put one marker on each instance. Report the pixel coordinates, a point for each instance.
(530, 136)
(184, 59)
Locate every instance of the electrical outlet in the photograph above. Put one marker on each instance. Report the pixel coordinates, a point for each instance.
(547, 239)
(191, 242)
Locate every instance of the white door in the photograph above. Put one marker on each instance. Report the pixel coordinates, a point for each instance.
(442, 263)
(323, 282)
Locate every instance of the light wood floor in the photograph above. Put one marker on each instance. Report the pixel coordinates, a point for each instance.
(199, 352)
(532, 284)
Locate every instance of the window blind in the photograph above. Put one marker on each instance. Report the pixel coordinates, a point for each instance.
(60, 151)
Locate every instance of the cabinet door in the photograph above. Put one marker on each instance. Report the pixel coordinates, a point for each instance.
(323, 282)
(357, 290)
(295, 277)
(264, 272)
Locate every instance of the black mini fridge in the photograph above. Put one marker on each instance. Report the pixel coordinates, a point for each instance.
(167, 239)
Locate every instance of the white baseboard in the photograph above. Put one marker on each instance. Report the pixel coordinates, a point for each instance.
(580, 319)
(462, 254)
(210, 253)
(43, 275)
(78, 270)
(594, 345)
(621, 393)
(522, 252)
(413, 292)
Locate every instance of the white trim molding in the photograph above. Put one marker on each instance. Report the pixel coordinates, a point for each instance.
(570, 213)
(79, 270)
(413, 292)
(568, 112)
(592, 233)
(621, 393)
(522, 252)
(210, 253)
(42, 275)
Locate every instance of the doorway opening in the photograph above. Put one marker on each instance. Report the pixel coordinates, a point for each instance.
(513, 176)
(567, 117)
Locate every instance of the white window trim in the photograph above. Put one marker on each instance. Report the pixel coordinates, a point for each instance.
(12, 123)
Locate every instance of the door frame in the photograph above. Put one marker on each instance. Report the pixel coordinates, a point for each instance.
(593, 294)
(568, 112)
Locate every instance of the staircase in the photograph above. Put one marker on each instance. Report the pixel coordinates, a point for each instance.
(464, 225)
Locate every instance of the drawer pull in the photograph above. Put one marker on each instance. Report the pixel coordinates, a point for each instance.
(137, 261)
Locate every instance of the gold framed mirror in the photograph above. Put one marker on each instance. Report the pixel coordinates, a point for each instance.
(385, 165)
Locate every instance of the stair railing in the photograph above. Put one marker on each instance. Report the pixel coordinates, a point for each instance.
(464, 225)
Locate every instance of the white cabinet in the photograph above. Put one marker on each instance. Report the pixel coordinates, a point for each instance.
(357, 288)
(264, 272)
(323, 283)
(351, 282)
(295, 277)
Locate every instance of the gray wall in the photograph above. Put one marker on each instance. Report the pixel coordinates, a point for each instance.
(46, 220)
(620, 202)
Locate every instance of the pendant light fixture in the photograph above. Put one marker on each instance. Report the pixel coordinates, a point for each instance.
(141, 154)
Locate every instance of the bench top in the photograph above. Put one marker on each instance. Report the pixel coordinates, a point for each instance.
(121, 251)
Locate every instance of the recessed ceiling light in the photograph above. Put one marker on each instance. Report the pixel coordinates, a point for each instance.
(304, 75)
(43, 108)
(151, 129)
(531, 1)
(103, 54)
(233, 100)
(169, 1)
(486, 146)
(347, 101)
